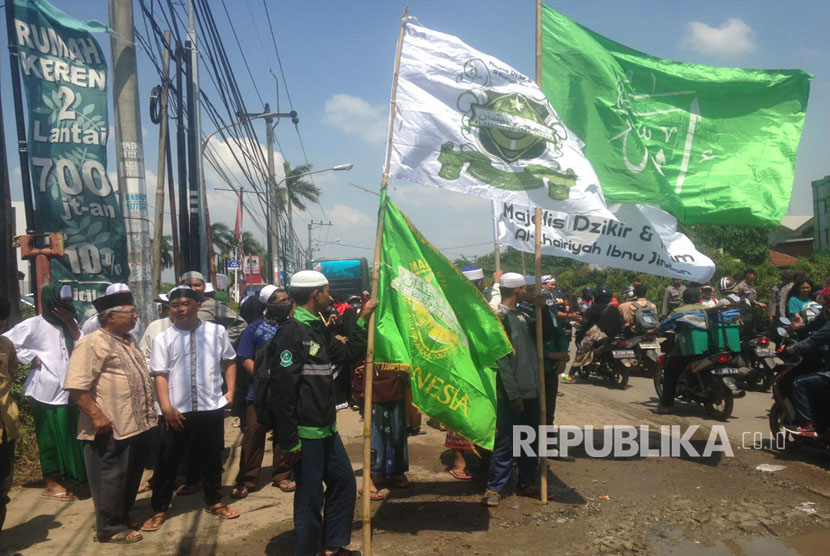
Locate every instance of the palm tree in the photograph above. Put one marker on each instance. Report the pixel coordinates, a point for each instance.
(166, 251)
(251, 246)
(224, 240)
(297, 192)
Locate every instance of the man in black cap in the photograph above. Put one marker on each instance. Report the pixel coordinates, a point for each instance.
(108, 379)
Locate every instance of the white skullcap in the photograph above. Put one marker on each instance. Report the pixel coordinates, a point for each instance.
(266, 292)
(209, 287)
(117, 288)
(472, 272)
(511, 280)
(548, 278)
(308, 279)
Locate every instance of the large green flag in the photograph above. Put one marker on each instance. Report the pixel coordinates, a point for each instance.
(710, 145)
(433, 323)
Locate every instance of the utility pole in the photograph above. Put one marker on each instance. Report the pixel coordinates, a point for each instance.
(159, 227)
(310, 253)
(129, 151)
(200, 241)
(272, 199)
(181, 164)
(9, 283)
(22, 144)
(275, 202)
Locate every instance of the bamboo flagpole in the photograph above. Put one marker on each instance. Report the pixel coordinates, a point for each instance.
(496, 242)
(370, 349)
(540, 354)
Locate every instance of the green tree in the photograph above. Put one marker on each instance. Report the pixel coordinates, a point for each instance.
(749, 245)
(224, 242)
(297, 192)
(251, 246)
(166, 251)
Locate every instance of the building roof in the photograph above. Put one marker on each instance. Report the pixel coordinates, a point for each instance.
(794, 222)
(781, 259)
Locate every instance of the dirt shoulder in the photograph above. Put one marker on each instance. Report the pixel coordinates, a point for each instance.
(597, 505)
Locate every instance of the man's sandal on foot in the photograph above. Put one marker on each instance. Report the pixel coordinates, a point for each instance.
(491, 498)
(124, 537)
(374, 495)
(222, 510)
(286, 485)
(341, 552)
(64, 496)
(153, 522)
(239, 492)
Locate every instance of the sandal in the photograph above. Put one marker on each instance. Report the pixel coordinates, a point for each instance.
(64, 496)
(222, 510)
(124, 537)
(154, 522)
(184, 490)
(461, 475)
(398, 482)
(286, 485)
(374, 495)
(146, 487)
(239, 492)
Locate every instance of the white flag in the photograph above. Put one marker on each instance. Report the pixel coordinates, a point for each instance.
(465, 121)
(644, 238)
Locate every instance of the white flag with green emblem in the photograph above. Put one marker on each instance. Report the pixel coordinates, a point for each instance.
(468, 122)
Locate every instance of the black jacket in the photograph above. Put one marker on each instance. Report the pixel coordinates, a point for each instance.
(301, 393)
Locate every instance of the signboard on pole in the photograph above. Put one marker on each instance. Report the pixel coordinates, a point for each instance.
(233, 265)
(65, 78)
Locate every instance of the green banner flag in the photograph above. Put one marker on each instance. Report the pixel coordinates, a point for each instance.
(710, 145)
(65, 77)
(433, 323)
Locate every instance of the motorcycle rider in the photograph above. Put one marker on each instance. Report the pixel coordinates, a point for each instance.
(675, 362)
(809, 389)
(606, 317)
(628, 310)
(732, 297)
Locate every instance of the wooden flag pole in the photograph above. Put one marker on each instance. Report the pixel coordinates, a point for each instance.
(370, 349)
(540, 353)
(496, 242)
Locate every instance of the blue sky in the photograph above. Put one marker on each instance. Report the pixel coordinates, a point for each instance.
(338, 60)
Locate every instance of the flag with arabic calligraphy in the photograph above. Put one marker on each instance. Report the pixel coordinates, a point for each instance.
(710, 145)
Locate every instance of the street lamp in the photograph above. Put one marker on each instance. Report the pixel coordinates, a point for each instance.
(338, 168)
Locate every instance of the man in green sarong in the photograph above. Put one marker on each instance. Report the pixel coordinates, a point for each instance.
(46, 341)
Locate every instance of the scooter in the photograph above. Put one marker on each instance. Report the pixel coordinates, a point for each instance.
(760, 360)
(611, 360)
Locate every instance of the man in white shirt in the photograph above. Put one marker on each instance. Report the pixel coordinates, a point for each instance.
(187, 363)
(46, 341)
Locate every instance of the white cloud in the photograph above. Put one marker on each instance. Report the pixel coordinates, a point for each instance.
(342, 215)
(355, 116)
(732, 38)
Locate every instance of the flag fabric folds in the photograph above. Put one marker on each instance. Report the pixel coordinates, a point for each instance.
(434, 324)
(467, 122)
(710, 145)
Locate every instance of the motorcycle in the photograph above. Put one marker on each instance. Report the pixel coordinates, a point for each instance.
(782, 415)
(760, 360)
(646, 353)
(610, 360)
(709, 380)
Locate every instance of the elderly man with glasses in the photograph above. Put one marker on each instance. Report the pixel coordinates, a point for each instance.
(108, 379)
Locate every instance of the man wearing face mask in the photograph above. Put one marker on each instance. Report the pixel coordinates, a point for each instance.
(278, 307)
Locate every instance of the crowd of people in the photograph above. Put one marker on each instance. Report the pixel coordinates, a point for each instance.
(109, 406)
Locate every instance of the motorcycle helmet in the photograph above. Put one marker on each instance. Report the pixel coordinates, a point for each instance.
(603, 294)
(726, 284)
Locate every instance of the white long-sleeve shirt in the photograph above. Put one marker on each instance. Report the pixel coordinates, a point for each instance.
(35, 337)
